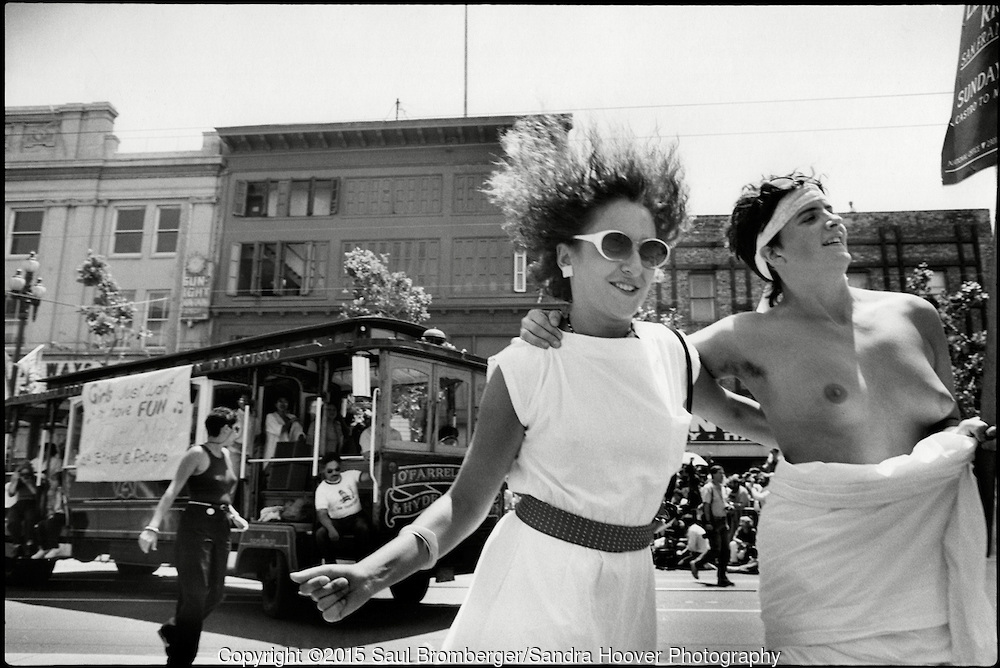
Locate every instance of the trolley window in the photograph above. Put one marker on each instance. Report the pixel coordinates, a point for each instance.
(408, 417)
(453, 410)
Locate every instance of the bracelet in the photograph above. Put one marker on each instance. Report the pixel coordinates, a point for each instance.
(153, 529)
(428, 538)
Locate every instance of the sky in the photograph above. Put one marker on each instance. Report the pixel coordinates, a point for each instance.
(859, 95)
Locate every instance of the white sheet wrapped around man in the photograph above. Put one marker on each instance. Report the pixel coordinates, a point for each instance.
(881, 563)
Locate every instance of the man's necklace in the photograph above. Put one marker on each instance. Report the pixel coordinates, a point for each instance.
(630, 335)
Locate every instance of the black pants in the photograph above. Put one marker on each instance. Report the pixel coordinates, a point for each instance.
(356, 525)
(718, 539)
(21, 520)
(202, 553)
(50, 529)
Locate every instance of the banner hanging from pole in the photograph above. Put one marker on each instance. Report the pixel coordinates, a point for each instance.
(970, 143)
(30, 371)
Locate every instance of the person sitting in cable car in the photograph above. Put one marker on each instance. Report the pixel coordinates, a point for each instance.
(339, 511)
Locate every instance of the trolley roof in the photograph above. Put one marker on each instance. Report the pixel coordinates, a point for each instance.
(348, 334)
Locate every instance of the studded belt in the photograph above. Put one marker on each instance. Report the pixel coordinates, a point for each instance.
(579, 530)
(210, 508)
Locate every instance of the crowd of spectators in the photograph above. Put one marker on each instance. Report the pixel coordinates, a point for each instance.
(35, 508)
(680, 535)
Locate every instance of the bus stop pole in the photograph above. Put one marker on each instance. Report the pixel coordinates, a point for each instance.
(985, 465)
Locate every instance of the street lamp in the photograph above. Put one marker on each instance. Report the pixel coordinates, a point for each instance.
(26, 290)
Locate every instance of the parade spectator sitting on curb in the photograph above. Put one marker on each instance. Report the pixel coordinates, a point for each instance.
(23, 515)
(743, 547)
(339, 511)
(697, 551)
(51, 527)
(679, 501)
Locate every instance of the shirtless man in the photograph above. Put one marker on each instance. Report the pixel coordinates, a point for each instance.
(849, 376)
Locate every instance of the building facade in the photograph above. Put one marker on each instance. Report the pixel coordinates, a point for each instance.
(298, 197)
(67, 192)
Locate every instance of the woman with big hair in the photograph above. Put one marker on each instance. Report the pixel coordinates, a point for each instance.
(587, 436)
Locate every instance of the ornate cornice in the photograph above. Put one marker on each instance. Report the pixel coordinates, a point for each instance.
(367, 135)
(210, 166)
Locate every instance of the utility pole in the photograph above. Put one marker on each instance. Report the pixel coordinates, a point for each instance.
(465, 88)
(26, 291)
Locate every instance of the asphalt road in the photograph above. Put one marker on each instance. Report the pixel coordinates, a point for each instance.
(89, 615)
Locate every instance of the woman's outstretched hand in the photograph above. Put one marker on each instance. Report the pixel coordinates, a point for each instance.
(338, 590)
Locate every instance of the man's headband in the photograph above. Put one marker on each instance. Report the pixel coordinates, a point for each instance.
(789, 205)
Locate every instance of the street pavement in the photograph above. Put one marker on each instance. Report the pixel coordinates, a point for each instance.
(62, 628)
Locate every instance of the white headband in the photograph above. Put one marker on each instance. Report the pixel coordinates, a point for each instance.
(789, 205)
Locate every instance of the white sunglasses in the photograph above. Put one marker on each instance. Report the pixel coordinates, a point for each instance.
(616, 246)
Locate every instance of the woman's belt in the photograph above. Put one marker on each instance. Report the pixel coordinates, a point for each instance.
(210, 508)
(582, 531)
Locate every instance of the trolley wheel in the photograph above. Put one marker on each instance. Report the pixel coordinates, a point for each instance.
(412, 589)
(278, 593)
(136, 570)
(9, 568)
(28, 572)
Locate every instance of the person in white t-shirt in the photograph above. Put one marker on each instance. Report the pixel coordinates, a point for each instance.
(339, 510)
(696, 550)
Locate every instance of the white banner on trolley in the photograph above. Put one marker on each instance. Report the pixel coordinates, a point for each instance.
(135, 428)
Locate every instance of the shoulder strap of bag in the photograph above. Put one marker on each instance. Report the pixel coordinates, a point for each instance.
(690, 374)
(690, 386)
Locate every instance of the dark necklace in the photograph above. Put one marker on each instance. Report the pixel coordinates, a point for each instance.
(630, 335)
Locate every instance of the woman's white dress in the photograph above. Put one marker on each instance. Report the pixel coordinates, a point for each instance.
(606, 427)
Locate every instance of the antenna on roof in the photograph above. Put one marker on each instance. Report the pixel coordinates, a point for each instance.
(398, 106)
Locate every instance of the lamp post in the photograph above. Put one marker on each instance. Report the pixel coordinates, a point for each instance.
(26, 290)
